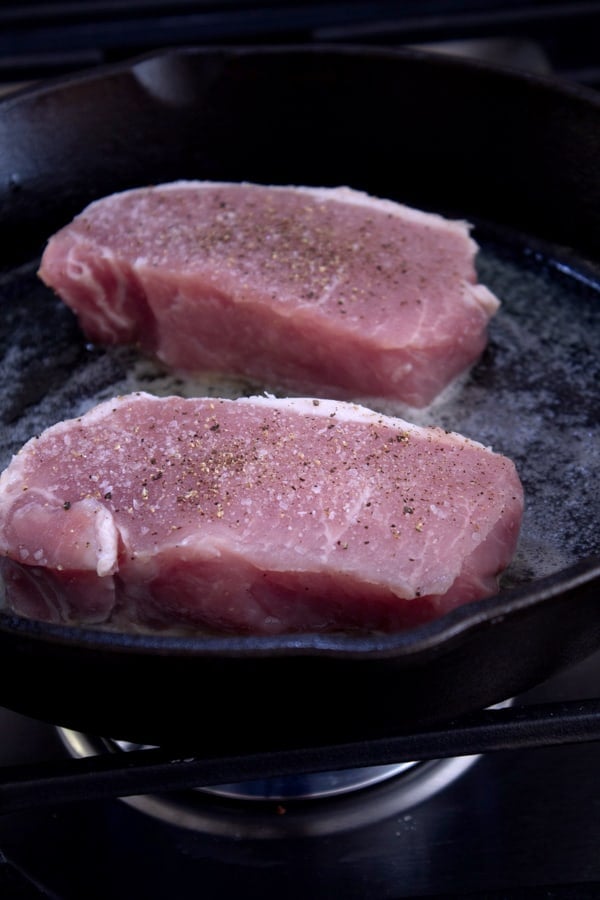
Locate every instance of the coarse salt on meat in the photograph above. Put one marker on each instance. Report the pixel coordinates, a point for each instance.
(257, 515)
(324, 291)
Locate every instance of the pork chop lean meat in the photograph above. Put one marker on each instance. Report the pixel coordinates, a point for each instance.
(329, 292)
(254, 515)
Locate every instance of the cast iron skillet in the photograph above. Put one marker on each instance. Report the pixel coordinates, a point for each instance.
(518, 157)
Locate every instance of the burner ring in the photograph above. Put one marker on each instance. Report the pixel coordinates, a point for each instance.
(294, 806)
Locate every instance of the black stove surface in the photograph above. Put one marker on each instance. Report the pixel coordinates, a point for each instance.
(516, 823)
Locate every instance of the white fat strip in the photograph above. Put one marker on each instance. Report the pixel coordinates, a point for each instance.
(11, 479)
(484, 298)
(100, 519)
(107, 537)
(80, 272)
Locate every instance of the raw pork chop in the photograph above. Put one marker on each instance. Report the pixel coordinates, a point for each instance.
(324, 291)
(253, 515)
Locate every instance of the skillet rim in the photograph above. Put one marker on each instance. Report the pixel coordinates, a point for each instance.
(104, 70)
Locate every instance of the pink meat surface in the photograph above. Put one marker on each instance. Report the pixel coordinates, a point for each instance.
(254, 515)
(324, 291)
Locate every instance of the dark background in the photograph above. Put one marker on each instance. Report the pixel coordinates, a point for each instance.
(45, 39)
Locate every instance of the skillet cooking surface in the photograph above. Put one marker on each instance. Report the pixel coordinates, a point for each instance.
(533, 396)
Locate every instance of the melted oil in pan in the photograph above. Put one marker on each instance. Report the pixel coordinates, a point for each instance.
(533, 396)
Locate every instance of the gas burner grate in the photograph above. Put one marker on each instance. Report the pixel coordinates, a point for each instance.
(295, 805)
(152, 770)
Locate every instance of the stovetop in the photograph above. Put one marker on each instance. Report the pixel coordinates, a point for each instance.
(520, 822)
